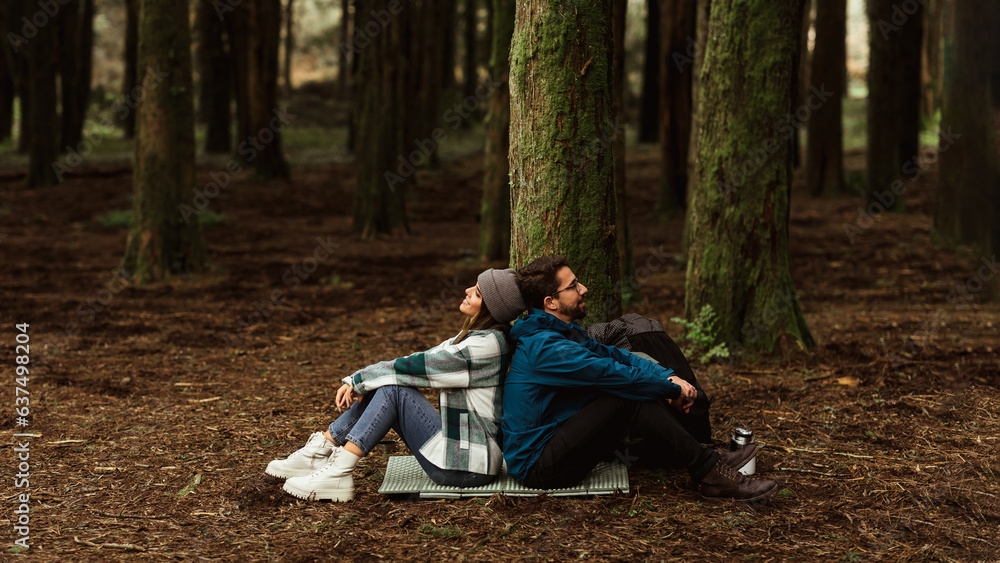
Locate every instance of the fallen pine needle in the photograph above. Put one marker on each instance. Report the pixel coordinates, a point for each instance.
(125, 546)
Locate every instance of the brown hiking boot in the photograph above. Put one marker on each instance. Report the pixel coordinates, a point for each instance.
(724, 482)
(740, 457)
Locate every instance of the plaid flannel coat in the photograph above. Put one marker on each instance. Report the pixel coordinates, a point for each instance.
(470, 376)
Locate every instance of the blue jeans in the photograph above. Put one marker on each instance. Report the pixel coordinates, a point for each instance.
(411, 415)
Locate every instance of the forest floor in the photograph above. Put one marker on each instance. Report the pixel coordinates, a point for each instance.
(154, 409)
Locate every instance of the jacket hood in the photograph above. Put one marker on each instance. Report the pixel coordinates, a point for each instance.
(537, 320)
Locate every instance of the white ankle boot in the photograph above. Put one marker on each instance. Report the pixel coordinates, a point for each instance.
(334, 481)
(304, 461)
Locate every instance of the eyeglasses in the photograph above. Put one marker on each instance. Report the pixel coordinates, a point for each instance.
(574, 285)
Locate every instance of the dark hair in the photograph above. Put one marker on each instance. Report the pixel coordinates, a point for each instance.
(483, 320)
(538, 279)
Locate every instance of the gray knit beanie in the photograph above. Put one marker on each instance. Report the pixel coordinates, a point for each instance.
(501, 294)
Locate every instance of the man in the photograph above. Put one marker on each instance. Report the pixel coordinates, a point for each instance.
(569, 401)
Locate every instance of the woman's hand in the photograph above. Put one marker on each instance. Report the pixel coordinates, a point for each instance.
(345, 396)
(688, 394)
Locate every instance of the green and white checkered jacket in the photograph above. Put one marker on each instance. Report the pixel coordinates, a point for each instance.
(470, 376)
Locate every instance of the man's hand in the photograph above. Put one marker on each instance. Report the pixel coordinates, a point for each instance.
(688, 394)
(345, 396)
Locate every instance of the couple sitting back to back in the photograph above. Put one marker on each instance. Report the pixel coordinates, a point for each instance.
(568, 402)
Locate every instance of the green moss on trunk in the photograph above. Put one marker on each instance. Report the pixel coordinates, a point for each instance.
(163, 240)
(738, 258)
(494, 231)
(561, 134)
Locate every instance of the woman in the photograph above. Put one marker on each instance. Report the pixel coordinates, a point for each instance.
(460, 446)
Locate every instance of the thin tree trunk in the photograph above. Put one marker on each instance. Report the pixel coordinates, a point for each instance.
(678, 26)
(561, 130)
(42, 117)
(696, 60)
(343, 60)
(494, 231)
(237, 25)
(131, 77)
(626, 271)
(893, 97)
(289, 45)
(802, 80)
(825, 149)
(75, 48)
(215, 68)
(931, 60)
(162, 241)
(649, 120)
(383, 83)
(6, 95)
(469, 74)
(968, 169)
(739, 260)
(266, 119)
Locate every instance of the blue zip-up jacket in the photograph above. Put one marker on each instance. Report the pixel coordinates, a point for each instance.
(555, 371)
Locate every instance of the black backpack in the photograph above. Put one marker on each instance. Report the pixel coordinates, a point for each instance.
(636, 333)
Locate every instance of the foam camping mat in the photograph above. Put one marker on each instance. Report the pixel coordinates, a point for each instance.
(403, 475)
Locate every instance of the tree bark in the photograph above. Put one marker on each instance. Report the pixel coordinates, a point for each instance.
(678, 27)
(649, 120)
(42, 118)
(469, 74)
(494, 230)
(739, 259)
(6, 90)
(802, 79)
(263, 148)
(215, 69)
(696, 59)
(289, 45)
(343, 60)
(383, 84)
(968, 169)
(561, 129)
(825, 150)
(629, 287)
(75, 50)
(131, 77)
(893, 95)
(164, 241)
(930, 101)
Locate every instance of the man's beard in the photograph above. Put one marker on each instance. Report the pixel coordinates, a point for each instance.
(573, 312)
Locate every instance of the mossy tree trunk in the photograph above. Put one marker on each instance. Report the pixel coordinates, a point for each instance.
(825, 150)
(626, 269)
(678, 26)
(215, 69)
(131, 71)
(649, 110)
(266, 119)
(968, 171)
(561, 130)
(893, 95)
(383, 84)
(75, 63)
(703, 15)
(42, 116)
(739, 258)
(161, 242)
(494, 230)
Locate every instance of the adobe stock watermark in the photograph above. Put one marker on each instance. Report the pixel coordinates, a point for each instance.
(448, 299)
(364, 35)
(912, 170)
(657, 259)
(47, 11)
(610, 131)
(784, 128)
(221, 178)
(121, 109)
(901, 14)
(453, 117)
(293, 277)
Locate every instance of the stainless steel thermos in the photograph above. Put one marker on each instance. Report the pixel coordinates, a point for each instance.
(741, 437)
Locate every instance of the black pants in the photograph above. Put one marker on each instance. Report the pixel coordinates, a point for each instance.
(596, 432)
